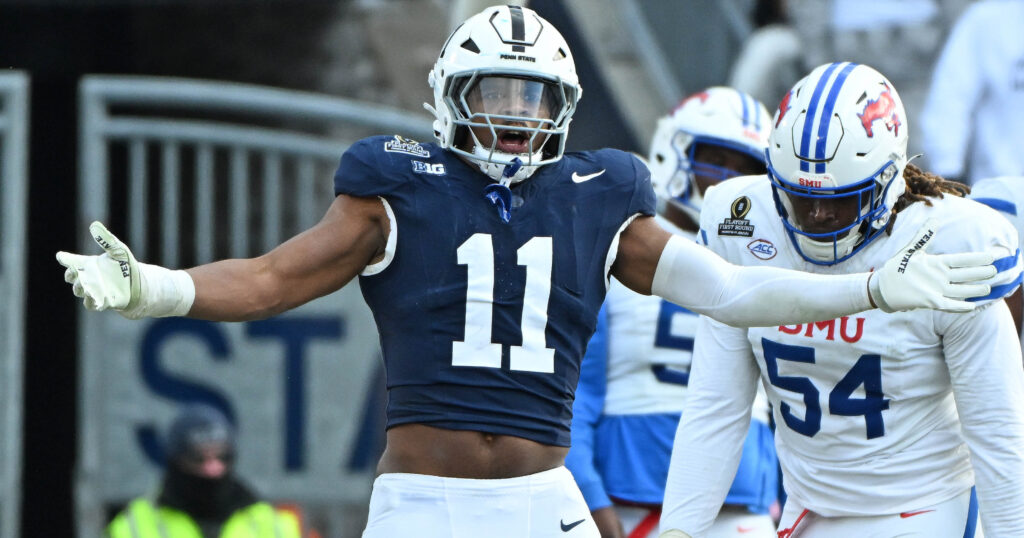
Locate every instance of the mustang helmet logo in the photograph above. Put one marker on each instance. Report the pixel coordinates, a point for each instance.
(702, 96)
(883, 108)
(783, 107)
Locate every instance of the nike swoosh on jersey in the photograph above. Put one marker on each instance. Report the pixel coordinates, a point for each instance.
(576, 178)
(905, 515)
(571, 526)
(743, 530)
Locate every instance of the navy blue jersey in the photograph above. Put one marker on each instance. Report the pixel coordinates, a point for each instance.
(483, 323)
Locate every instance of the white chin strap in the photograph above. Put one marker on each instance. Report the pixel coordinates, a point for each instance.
(822, 250)
(494, 163)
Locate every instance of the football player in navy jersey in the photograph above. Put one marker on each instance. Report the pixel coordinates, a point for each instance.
(485, 258)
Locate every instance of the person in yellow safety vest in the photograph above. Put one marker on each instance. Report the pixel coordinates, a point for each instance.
(200, 495)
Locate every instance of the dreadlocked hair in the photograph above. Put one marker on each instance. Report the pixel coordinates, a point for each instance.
(923, 185)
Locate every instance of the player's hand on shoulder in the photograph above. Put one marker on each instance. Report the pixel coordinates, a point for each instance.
(913, 278)
(107, 281)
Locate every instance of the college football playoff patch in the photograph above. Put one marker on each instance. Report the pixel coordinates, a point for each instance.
(400, 144)
(737, 226)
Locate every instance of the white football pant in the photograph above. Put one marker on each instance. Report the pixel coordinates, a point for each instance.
(543, 505)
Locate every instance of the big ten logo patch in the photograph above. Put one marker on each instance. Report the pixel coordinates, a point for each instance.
(737, 225)
(421, 167)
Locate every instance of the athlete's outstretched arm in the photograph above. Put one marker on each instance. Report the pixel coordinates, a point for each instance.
(651, 260)
(312, 264)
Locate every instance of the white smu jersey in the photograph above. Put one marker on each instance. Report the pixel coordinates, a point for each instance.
(650, 345)
(1005, 194)
(864, 405)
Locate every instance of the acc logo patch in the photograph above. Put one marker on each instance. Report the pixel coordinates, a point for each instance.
(737, 226)
(421, 167)
(762, 248)
(401, 144)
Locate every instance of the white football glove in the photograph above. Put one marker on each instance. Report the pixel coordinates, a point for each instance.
(915, 279)
(115, 280)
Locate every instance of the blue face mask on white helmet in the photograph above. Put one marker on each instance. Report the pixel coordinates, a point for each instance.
(835, 158)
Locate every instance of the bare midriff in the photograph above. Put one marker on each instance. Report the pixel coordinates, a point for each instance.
(420, 449)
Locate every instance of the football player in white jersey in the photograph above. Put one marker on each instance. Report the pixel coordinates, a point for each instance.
(885, 423)
(634, 374)
(1005, 194)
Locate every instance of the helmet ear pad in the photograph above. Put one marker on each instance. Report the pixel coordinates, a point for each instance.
(840, 129)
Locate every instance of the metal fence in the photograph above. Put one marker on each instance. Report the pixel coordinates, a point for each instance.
(187, 172)
(14, 114)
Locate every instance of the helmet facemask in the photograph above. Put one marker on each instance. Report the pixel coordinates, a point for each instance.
(830, 223)
(500, 117)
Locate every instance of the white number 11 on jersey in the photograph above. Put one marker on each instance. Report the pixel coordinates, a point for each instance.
(477, 254)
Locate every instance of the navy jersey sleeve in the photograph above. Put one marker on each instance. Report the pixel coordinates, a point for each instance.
(644, 200)
(366, 168)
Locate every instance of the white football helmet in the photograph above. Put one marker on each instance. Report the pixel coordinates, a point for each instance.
(839, 138)
(717, 116)
(505, 42)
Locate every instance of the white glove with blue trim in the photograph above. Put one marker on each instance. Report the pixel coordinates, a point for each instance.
(915, 279)
(115, 280)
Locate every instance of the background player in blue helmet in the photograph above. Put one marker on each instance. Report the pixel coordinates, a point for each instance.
(634, 374)
(485, 259)
(885, 423)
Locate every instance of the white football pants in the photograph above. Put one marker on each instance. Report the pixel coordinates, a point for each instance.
(953, 518)
(543, 505)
